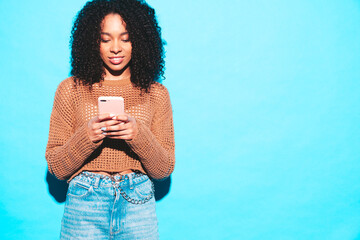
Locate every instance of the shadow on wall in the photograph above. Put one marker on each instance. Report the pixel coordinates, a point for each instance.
(358, 237)
(58, 188)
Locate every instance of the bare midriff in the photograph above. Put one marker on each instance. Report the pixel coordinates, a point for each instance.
(114, 173)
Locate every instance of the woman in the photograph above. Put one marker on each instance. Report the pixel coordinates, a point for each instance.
(116, 51)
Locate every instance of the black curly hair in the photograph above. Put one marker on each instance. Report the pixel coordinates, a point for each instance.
(147, 59)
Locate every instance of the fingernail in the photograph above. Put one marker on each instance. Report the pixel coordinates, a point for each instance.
(112, 115)
(104, 133)
(103, 128)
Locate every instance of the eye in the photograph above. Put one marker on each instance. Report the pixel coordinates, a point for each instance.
(125, 40)
(104, 40)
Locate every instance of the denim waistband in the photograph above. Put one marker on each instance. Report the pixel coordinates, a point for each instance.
(100, 179)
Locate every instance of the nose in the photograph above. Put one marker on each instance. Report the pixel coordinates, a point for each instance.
(115, 47)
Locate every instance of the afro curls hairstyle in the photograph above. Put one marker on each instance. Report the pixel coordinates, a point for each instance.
(147, 60)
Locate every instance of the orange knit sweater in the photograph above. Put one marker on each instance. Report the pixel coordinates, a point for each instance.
(70, 151)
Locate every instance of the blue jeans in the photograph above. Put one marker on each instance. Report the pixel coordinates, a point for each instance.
(102, 207)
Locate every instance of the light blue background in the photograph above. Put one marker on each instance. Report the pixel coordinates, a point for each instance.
(266, 103)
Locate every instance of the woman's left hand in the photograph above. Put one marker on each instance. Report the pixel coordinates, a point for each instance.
(126, 129)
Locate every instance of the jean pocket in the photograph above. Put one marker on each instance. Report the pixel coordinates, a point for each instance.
(78, 189)
(140, 193)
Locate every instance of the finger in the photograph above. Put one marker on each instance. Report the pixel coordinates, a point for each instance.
(105, 116)
(106, 123)
(125, 117)
(118, 133)
(97, 132)
(101, 136)
(98, 138)
(119, 126)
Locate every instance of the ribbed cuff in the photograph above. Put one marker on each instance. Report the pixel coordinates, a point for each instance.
(84, 139)
(141, 140)
(82, 147)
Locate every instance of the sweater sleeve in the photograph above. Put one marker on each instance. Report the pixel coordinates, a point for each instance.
(67, 149)
(155, 146)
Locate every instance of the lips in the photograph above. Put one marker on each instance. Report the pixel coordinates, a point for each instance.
(116, 60)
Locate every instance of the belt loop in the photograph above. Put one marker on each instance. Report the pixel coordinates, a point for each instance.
(97, 179)
(130, 181)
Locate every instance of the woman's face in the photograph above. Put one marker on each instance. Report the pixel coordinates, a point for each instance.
(115, 46)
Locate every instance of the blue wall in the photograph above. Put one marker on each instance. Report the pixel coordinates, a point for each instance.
(266, 103)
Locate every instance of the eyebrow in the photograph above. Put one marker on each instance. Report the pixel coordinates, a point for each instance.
(121, 34)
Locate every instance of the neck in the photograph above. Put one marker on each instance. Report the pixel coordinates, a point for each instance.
(117, 75)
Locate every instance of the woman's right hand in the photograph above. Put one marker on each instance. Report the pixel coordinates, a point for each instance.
(95, 124)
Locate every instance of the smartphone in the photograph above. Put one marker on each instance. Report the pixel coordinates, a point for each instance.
(112, 105)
